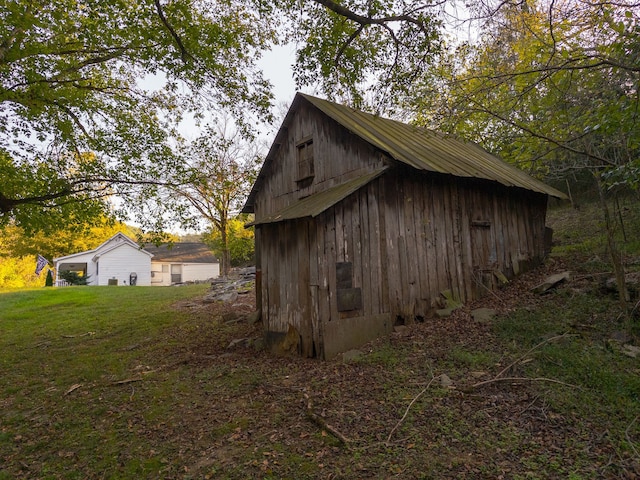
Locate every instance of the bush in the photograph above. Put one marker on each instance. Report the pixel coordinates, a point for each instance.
(73, 278)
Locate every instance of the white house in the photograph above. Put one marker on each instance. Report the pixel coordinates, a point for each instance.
(118, 261)
(182, 262)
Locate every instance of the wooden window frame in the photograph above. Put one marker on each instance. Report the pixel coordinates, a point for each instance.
(305, 162)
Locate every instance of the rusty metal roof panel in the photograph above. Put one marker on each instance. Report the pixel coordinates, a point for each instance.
(315, 204)
(428, 150)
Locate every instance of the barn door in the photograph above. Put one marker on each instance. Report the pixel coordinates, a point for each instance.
(484, 256)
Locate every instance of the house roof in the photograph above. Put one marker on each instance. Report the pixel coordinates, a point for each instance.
(104, 247)
(315, 204)
(417, 147)
(182, 252)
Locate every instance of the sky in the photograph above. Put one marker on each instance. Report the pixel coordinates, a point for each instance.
(277, 66)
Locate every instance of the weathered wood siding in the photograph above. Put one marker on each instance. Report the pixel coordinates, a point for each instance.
(299, 278)
(285, 283)
(446, 233)
(387, 252)
(338, 156)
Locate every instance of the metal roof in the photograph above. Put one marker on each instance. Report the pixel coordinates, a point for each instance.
(315, 204)
(417, 147)
(181, 252)
(429, 150)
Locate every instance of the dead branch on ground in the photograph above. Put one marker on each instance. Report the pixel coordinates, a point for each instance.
(406, 412)
(500, 378)
(522, 379)
(626, 434)
(78, 336)
(322, 423)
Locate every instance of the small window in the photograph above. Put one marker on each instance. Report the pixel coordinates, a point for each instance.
(306, 170)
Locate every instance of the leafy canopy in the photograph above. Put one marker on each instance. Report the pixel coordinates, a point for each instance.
(551, 87)
(79, 120)
(92, 92)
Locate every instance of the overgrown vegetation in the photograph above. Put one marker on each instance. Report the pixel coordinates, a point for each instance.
(112, 382)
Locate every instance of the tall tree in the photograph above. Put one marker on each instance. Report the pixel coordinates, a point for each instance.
(113, 79)
(552, 87)
(240, 241)
(223, 165)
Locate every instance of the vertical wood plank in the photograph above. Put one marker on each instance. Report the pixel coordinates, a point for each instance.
(422, 266)
(439, 228)
(332, 254)
(412, 297)
(456, 228)
(304, 290)
(378, 230)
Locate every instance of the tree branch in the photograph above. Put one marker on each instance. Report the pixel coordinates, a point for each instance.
(363, 20)
(183, 51)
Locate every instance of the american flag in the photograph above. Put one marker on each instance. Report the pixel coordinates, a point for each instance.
(41, 263)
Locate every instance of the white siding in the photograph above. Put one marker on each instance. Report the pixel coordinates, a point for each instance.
(120, 262)
(192, 272)
(158, 276)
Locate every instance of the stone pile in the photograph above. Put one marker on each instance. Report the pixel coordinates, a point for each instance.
(228, 289)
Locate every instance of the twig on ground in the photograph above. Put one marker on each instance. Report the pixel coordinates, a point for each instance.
(322, 423)
(406, 412)
(522, 379)
(73, 388)
(626, 434)
(78, 336)
(522, 357)
(530, 405)
(128, 380)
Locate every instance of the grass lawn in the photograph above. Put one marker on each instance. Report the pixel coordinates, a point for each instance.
(120, 383)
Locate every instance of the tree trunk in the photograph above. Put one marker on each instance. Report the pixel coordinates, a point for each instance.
(616, 258)
(226, 254)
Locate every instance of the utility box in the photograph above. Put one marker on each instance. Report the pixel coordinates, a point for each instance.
(113, 281)
(133, 278)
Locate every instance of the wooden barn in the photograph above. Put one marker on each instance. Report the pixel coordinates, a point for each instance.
(363, 223)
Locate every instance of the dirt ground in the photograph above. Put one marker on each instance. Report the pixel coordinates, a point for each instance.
(389, 414)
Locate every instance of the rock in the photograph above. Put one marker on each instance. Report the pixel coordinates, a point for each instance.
(249, 272)
(213, 297)
(483, 315)
(502, 279)
(444, 312)
(232, 317)
(445, 381)
(238, 342)
(631, 351)
(351, 355)
(401, 329)
(632, 280)
(552, 282)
